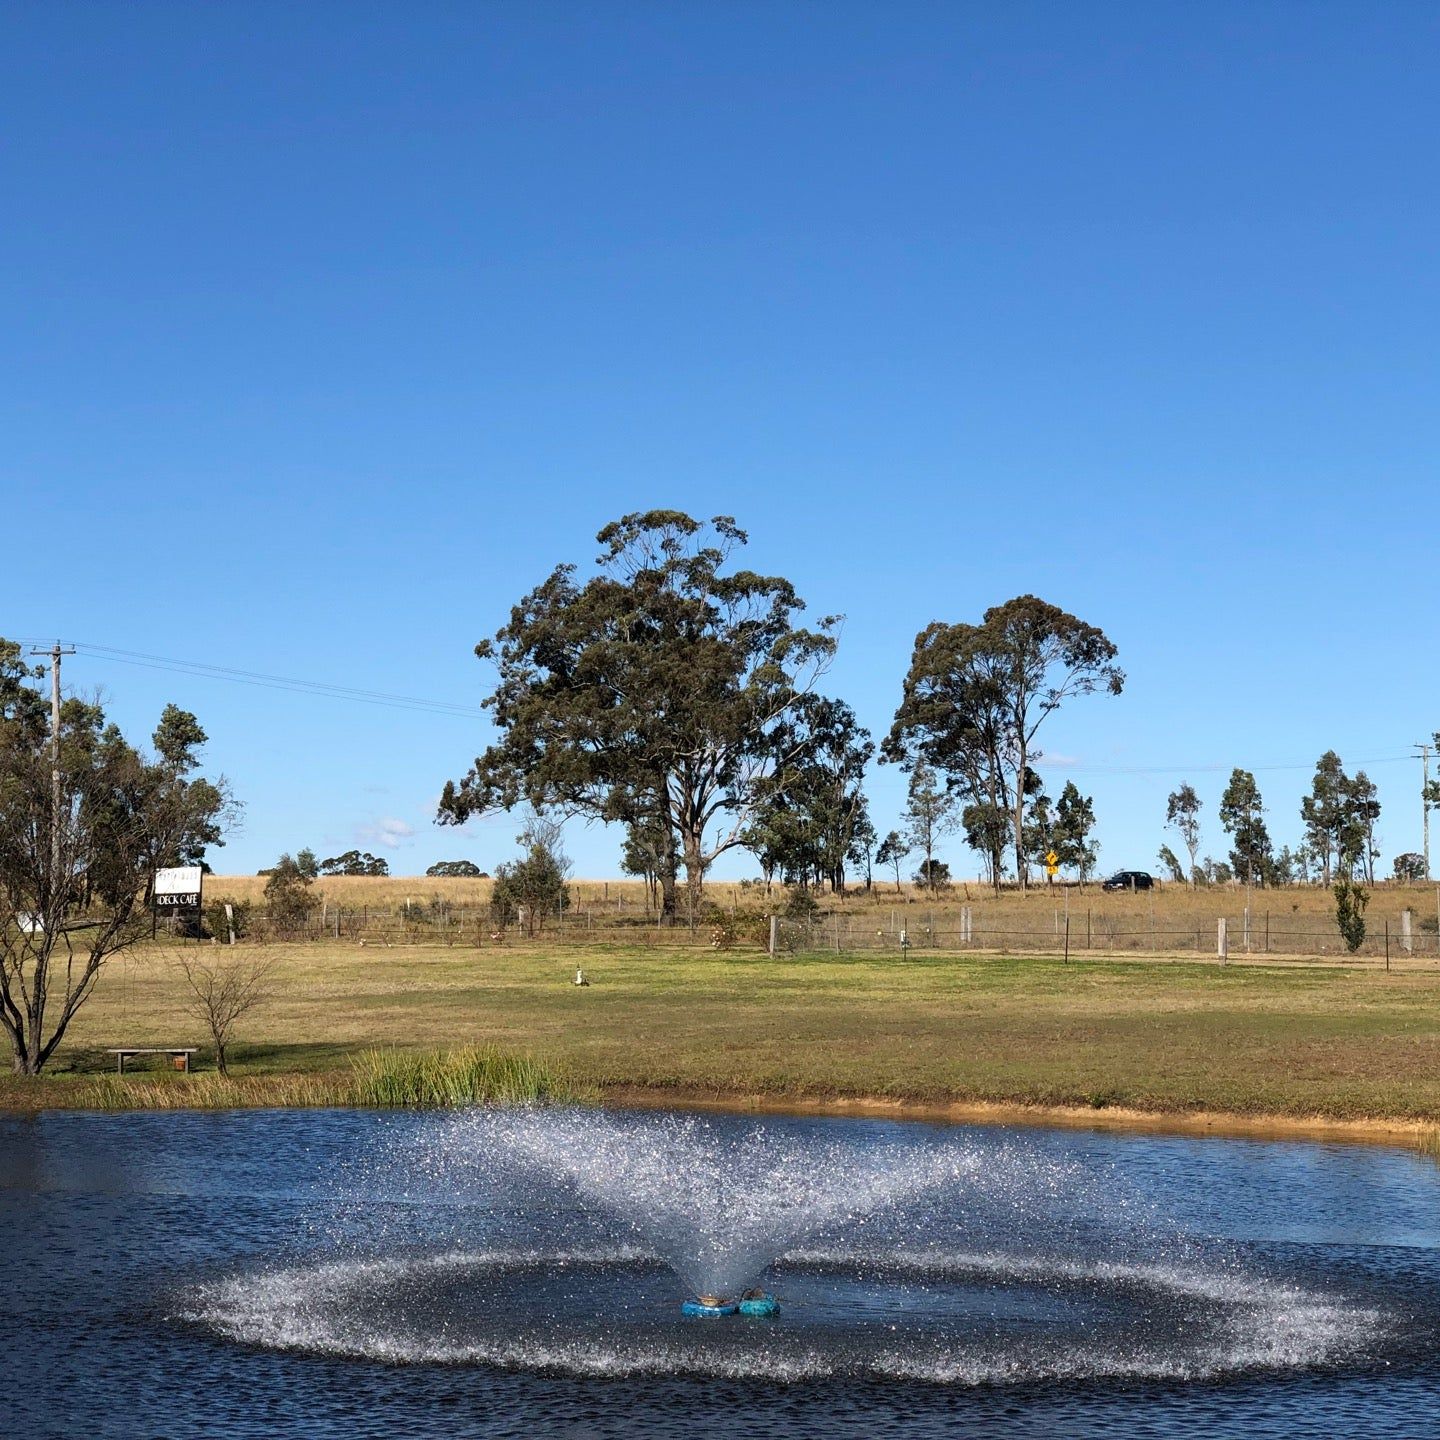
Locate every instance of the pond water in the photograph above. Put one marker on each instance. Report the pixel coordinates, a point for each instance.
(352, 1274)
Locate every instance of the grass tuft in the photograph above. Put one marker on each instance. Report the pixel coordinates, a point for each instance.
(440, 1079)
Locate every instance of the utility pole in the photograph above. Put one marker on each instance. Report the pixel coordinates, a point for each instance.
(1424, 750)
(55, 652)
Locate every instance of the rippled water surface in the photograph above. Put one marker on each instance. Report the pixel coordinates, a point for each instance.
(349, 1274)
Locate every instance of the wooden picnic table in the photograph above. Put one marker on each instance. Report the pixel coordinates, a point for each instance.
(175, 1052)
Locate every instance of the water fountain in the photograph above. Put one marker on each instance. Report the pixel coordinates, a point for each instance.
(568, 1241)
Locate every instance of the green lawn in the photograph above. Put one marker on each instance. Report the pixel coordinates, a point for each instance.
(1290, 1041)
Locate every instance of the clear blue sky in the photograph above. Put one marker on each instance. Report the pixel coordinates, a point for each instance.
(328, 329)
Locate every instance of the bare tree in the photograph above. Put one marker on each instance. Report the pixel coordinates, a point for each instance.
(222, 991)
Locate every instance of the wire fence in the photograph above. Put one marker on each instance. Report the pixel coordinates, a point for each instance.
(1401, 939)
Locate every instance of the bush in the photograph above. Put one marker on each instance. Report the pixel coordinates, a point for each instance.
(1350, 902)
(218, 925)
(801, 905)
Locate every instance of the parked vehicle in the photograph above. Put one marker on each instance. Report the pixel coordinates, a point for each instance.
(1129, 880)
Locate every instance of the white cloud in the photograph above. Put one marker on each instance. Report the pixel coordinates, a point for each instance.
(390, 833)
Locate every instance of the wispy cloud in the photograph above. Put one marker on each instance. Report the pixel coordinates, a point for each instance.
(390, 833)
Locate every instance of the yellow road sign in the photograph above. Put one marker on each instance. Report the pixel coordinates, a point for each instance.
(1051, 859)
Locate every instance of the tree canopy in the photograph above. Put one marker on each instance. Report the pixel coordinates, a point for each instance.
(651, 694)
(74, 877)
(975, 697)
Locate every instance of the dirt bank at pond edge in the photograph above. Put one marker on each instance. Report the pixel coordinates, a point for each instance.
(1372, 1131)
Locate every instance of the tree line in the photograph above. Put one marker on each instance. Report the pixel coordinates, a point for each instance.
(680, 695)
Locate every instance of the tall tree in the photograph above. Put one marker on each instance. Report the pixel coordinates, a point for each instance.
(1242, 815)
(805, 817)
(1182, 810)
(929, 815)
(863, 840)
(976, 696)
(73, 879)
(1074, 831)
(893, 850)
(1039, 821)
(1362, 810)
(1340, 814)
(653, 690)
(1324, 812)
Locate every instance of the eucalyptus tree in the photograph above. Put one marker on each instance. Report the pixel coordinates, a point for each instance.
(806, 816)
(1324, 812)
(651, 692)
(1170, 862)
(1242, 815)
(74, 876)
(1073, 831)
(892, 851)
(1182, 810)
(976, 696)
(930, 814)
(1340, 814)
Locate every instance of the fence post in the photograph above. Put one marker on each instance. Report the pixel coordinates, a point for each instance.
(1407, 942)
(1387, 947)
(774, 932)
(1222, 941)
(1067, 939)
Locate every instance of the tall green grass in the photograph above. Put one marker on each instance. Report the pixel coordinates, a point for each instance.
(205, 1092)
(439, 1079)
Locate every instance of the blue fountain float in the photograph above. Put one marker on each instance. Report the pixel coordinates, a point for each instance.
(755, 1303)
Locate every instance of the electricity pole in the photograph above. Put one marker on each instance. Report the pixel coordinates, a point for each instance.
(55, 652)
(1425, 800)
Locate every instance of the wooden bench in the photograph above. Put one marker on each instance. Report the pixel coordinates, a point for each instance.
(181, 1053)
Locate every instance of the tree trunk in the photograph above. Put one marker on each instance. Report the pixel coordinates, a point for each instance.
(694, 875)
(1020, 868)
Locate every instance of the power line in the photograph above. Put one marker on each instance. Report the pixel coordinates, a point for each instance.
(288, 683)
(1204, 769)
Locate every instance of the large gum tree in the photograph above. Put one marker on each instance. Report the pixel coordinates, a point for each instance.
(650, 695)
(976, 696)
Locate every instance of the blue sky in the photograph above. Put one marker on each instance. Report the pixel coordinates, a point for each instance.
(329, 329)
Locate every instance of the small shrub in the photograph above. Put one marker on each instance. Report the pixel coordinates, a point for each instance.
(724, 929)
(241, 919)
(801, 905)
(1350, 902)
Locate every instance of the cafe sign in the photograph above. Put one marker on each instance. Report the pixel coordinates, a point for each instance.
(178, 888)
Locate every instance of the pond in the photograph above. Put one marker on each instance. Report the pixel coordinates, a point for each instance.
(354, 1274)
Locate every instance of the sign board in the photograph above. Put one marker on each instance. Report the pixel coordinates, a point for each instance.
(1052, 863)
(178, 888)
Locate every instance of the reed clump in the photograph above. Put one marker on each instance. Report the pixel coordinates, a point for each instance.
(210, 1092)
(442, 1079)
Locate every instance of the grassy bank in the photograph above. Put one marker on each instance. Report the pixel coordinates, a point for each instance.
(1165, 1037)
